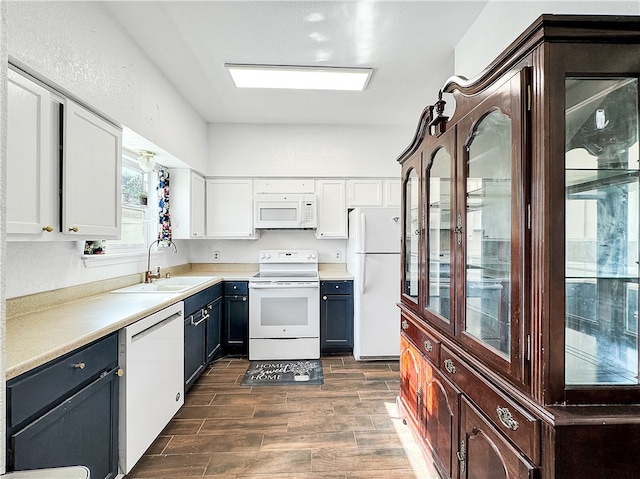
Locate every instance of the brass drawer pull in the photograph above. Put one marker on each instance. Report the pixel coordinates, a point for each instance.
(428, 347)
(74, 229)
(79, 366)
(449, 366)
(506, 418)
(47, 228)
(405, 324)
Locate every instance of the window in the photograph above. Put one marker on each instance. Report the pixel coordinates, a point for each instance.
(137, 211)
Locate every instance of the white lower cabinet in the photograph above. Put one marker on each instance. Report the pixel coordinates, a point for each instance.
(91, 175)
(32, 191)
(332, 209)
(230, 209)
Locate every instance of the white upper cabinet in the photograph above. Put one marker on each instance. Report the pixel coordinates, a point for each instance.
(332, 209)
(373, 192)
(230, 209)
(91, 175)
(362, 192)
(187, 204)
(392, 192)
(279, 185)
(32, 192)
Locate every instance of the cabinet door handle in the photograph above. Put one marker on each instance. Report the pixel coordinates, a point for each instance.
(449, 366)
(462, 456)
(47, 228)
(428, 347)
(74, 229)
(507, 419)
(324, 298)
(80, 366)
(120, 372)
(196, 323)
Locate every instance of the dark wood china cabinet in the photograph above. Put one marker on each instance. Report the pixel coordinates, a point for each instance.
(521, 220)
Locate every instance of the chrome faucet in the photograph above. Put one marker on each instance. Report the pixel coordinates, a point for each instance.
(148, 274)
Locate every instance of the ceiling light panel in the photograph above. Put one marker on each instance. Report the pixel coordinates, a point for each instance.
(299, 77)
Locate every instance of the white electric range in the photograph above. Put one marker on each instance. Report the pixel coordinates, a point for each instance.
(284, 310)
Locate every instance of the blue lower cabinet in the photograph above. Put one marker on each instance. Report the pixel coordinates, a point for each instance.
(336, 317)
(236, 318)
(202, 331)
(76, 427)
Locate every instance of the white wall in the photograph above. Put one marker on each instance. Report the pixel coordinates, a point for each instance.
(36, 266)
(251, 150)
(501, 22)
(78, 46)
(306, 150)
(246, 251)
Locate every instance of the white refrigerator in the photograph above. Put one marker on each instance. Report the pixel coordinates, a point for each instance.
(373, 258)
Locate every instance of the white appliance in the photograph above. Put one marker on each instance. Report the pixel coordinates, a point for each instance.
(152, 389)
(275, 210)
(284, 306)
(373, 258)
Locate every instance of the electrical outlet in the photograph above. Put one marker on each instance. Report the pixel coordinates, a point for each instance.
(216, 256)
(338, 255)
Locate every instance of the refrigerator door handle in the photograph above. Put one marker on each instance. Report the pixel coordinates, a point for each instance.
(363, 229)
(363, 269)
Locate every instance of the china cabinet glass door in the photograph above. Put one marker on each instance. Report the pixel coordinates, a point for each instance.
(488, 233)
(411, 236)
(491, 233)
(602, 207)
(438, 218)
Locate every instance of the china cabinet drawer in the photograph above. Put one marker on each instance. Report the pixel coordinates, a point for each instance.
(425, 343)
(35, 390)
(515, 423)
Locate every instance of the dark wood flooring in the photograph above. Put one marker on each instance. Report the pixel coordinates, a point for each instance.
(348, 428)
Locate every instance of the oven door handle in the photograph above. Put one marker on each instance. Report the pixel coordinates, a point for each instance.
(284, 286)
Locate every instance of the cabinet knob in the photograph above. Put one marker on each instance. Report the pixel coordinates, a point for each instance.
(337, 286)
(324, 298)
(80, 366)
(244, 298)
(74, 229)
(120, 372)
(428, 347)
(47, 228)
(405, 324)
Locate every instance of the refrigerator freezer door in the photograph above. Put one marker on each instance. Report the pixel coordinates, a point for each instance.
(375, 230)
(376, 315)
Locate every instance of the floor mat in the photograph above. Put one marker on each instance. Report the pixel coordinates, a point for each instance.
(281, 372)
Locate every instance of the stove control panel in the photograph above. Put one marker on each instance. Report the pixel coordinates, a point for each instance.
(288, 256)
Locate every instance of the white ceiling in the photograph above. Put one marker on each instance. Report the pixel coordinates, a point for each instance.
(409, 44)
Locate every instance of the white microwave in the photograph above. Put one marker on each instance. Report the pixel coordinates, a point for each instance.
(275, 211)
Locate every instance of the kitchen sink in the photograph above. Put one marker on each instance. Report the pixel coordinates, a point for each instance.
(176, 284)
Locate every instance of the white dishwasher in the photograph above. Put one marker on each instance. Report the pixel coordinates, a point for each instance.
(152, 389)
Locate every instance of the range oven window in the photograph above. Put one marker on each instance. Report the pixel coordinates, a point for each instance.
(284, 311)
